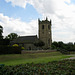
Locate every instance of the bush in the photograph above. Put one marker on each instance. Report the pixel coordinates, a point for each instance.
(4, 41)
(64, 67)
(22, 48)
(63, 51)
(15, 45)
(9, 50)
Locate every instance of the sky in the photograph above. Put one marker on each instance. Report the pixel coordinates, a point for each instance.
(21, 17)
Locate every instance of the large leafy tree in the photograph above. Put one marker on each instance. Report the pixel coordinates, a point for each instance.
(39, 43)
(55, 44)
(1, 31)
(12, 36)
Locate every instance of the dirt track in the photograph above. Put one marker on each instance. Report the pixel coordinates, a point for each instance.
(72, 57)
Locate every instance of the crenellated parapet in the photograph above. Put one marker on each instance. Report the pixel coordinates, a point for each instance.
(44, 21)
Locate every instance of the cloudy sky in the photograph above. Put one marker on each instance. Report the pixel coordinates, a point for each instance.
(21, 17)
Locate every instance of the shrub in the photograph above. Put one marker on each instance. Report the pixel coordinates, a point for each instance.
(15, 45)
(64, 67)
(22, 48)
(63, 51)
(10, 49)
(4, 41)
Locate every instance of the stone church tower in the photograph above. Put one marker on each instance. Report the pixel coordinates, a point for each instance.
(45, 32)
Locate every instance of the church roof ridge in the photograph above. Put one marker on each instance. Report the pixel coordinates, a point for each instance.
(29, 36)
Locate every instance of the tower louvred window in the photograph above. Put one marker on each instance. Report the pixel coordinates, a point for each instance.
(42, 26)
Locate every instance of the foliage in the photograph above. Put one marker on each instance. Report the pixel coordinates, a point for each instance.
(1, 31)
(4, 41)
(5, 49)
(62, 47)
(64, 67)
(22, 48)
(15, 45)
(39, 43)
(55, 44)
(12, 36)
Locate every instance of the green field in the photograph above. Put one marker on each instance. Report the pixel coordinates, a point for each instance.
(15, 59)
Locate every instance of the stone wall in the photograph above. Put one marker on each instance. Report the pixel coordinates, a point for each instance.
(37, 51)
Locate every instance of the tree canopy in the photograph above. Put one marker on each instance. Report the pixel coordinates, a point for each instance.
(60, 45)
(12, 36)
(39, 43)
(1, 31)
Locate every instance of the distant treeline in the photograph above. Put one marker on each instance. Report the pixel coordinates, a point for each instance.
(60, 46)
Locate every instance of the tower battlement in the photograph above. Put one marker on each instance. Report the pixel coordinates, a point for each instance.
(44, 21)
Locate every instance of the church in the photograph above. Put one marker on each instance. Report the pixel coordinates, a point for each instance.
(44, 34)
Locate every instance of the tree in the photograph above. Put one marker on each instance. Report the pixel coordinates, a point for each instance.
(39, 43)
(55, 44)
(70, 46)
(61, 44)
(12, 36)
(1, 31)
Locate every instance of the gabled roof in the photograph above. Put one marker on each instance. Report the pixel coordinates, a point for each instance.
(25, 39)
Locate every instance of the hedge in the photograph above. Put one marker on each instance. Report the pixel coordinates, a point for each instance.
(4, 49)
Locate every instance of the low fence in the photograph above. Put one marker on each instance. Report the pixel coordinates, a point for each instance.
(37, 51)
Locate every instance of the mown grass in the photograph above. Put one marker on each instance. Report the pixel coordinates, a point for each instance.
(15, 59)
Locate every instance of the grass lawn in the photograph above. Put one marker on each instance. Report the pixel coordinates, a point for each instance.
(15, 59)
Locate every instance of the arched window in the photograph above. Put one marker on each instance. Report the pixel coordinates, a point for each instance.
(42, 26)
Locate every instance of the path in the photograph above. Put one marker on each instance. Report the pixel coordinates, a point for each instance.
(72, 57)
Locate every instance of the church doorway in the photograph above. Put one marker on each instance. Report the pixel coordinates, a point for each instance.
(29, 48)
